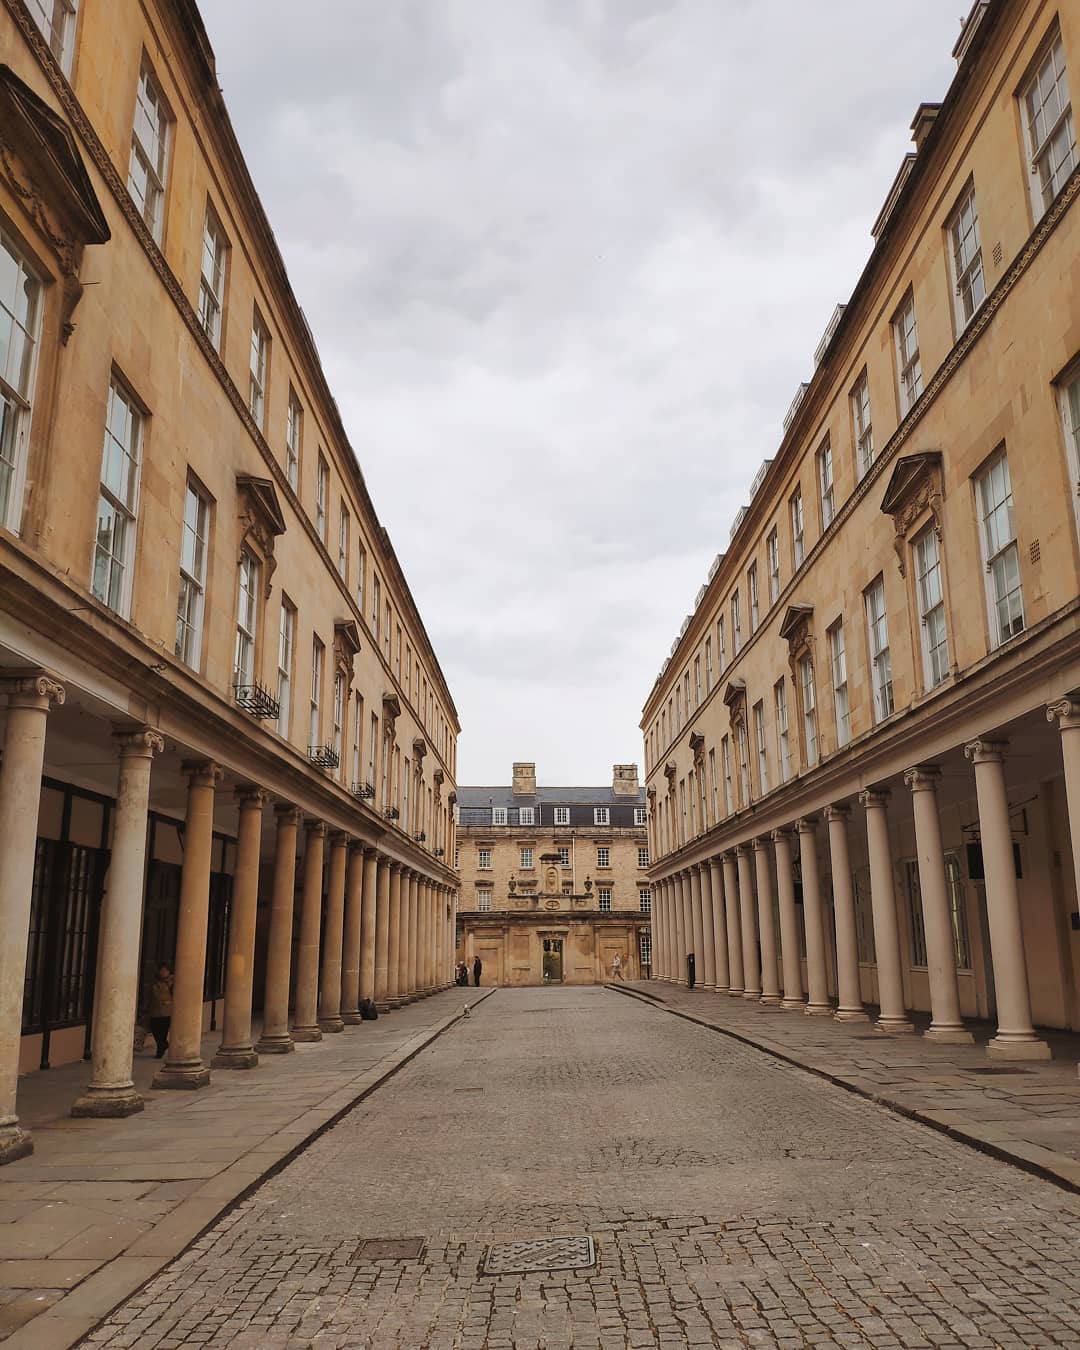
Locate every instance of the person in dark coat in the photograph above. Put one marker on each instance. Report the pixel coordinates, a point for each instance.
(477, 967)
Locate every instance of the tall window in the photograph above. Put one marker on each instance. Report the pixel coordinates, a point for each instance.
(969, 281)
(603, 897)
(742, 743)
(1048, 123)
(483, 858)
(915, 913)
(697, 681)
(483, 899)
(1000, 553)
(838, 664)
(772, 557)
(357, 737)
(564, 856)
(189, 604)
(759, 741)
(149, 151)
(797, 550)
(286, 649)
(386, 636)
(246, 619)
(643, 857)
(339, 715)
(603, 857)
(644, 900)
(752, 592)
(954, 882)
(343, 543)
(294, 430)
(56, 19)
(361, 559)
(783, 733)
(713, 788)
(935, 645)
(212, 280)
(863, 424)
(721, 643)
(809, 709)
(117, 505)
(260, 352)
(315, 702)
(372, 750)
(322, 492)
(908, 365)
(1070, 418)
(686, 692)
(376, 605)
(880, 660)
(708, 640)
(526, 857)
(826, 490)
(678, 708)
(20, 293)
(397, 652)
(736, 622)
(684, 835)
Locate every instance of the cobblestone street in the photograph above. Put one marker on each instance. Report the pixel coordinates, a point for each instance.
(734, 1201)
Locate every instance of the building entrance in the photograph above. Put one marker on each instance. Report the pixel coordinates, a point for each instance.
(552, 960)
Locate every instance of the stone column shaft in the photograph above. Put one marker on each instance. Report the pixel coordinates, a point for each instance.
(367, 924)
(275, 1038)
(111, 1090)
(417, 926)
(817, 979)
(236, 1051)
(183, 1067)
(306, 1010)
(734, 927)
(748, 922)
(892, 1017)
(350, 947)
(720, 938)
(708, 932)
(697, 919)
(849, 1006)
(330, 1018)
(393, 957)
(382, 935)
(770, 978)
(789, 922)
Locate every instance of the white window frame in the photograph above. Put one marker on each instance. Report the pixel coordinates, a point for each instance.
(772, 556)
(123, 445)
(762, 753)
(20, 325)
(499, 815)
(644, 900)
(725, 760)
(285, 664)
(483, 859)
(561, 815)
(742, 743)
(214, 259)
(191, 593)
(603, 856)
(838, 669)
(877, 630)
(721, 643)
(826, 484)
(752, 591)
(642, 857)
(601, 815)
(708, 664)
(344, 525)
(641, 815)
(862, 424)
(526, 858)
(809, 711)
(247, 618)
(905, 329)
(151, 136)
(338, 739)
(798, 527)
(322, 494)
(783, 729)
(483, 899)
(997, 538)
(1049, 129)
(929, 581)
(315, 700)
(257, 372)
(294, 435)
(57, 20)
(603, 899)
(358, 737)
(736, 622)
(564, 856)
(526, 815)
(966, 269)
(1069, 399)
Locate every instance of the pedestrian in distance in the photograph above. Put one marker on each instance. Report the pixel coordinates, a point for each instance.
(159, 1007)
(477, 967)
(616, 966)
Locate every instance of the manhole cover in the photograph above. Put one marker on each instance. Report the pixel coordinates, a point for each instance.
(390, 1249)
(561, 1253)
(997, 1070)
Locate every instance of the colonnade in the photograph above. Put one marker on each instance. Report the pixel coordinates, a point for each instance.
(721, 907)
(370, 926)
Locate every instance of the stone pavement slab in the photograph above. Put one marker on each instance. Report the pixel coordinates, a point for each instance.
(1025, 1113)
(101, 1205)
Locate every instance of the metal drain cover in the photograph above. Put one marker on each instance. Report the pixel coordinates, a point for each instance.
(390, 1249)
(559, 1253)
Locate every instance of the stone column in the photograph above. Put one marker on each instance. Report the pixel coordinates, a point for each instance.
(30, 696)
(892, 1017)
(697, 920)
(404, 992)
(350, 947)
(382, 935)
(734, 927)
(275, 1038)
(1066, 713)
(770, 976)
(669, 929)
(367, 925)
(183, 1067)
(789, 922)
(716, 886)
(306, 1010)
(330, 1018)
(660, 903)
(416, 927)
(393, 957)
(236, 1050)
(436, 940)
(817, 979)
(1016, 1037)
(678, 971)
(849, 1006)
(946, 1024)
(748, 922)
(707, 930)
(111, 1090)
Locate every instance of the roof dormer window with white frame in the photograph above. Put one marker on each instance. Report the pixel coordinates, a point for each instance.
(601, 815)
(561, 815)
(498, 815)
(1049, 130)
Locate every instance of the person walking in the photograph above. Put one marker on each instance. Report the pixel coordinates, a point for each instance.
(616, 966)
(477, 967)
(159, 1007)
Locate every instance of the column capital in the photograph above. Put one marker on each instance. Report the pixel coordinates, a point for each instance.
(874, 797)
(922, 777)
(339, 839)
(139, 742)
(357, 846)
(315, 828)
(1065, 712)
(32, 689)
(287, 813)
(395, 866)
(986, 751)
(837, 811)
(783, 835)
(251, 797)
(761, 843)
(806, 824)
(203, 772)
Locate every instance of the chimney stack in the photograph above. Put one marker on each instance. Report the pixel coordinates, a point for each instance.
(624, 780)
(525, 780)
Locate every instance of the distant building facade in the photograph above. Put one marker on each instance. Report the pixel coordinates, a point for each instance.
(554, 881)
(863, 753)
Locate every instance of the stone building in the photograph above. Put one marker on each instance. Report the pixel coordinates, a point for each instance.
(863, 752)
(227, 741)
(554, 881)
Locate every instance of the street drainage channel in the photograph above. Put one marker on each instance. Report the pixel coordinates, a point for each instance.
(533, 1256)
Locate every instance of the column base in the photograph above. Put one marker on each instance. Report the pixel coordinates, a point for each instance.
(382, 1005)
(331, 1025)
(351, 1019)
(188, 1076)
(893, 1026)
(850, 1015)
(305, 1034)
(105, 1103)
(818, 1010)
(770, 1001)
(275, 1045)
(752, 994)
(722, 989)
(15, 1143)
(949, 1035)
(792, 1004)
(735, 993)
(235, 1057)
(1001, 1048)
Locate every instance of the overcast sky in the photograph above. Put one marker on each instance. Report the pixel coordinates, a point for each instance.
(566, 262)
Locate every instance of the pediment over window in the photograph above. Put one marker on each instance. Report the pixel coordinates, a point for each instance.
(651, 794)
(670, 771)
(419, 747)
(796, 619)
(697, 742)
(346, 645)
(260, 519)
(735, 692)
(917, 485)
(438, 778)
(391, 706)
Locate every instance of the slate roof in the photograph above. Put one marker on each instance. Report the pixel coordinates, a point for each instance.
(548, 796)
